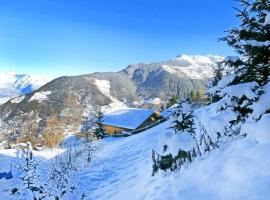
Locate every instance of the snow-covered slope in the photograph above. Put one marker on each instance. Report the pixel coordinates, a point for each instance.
(13, 85)
(105, 88)
(237, 169)
(122, 167)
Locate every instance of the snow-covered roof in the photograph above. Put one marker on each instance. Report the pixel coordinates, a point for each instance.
(168, 112)
(129, 118)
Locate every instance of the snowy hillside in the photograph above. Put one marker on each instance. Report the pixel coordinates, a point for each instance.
(122, 167)
(105, 88)
(13, 85)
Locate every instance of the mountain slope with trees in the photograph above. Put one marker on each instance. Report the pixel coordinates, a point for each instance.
(69, 99)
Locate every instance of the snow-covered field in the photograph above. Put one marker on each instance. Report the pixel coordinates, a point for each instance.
(123, 166)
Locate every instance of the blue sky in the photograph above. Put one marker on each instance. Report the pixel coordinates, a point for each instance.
(69, 37)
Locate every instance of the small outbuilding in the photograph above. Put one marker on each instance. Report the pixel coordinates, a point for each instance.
(129, 120)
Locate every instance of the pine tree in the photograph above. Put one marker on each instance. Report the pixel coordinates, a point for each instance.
(218, 73)
(172, 101)
(99, 129)
(252, 41)
(183, 118)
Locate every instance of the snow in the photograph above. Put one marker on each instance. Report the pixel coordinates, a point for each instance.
(193, 66)
(239, 90)
(40, 96)
(226, 80)
(259, 131)
(104, 86)
(267, 19)
(175, 142)
(168, 112)
(122, 167)
(13, 84)
(263, 104)
(17, 99)
(123, 170)
(154, 101)
(216, 117)
(256, 43)
(169, 69)
(129, 118)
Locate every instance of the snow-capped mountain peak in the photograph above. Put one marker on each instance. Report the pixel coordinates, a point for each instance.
(13, 84)
(192, 66)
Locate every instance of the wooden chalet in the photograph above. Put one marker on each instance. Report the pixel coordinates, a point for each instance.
(129, 120)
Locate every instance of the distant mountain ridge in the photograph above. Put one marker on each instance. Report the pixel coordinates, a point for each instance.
(69, 98)
(13, 84)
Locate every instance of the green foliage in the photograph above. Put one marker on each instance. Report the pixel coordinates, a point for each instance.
(242, 108)
(249, 41)
(171, 163)
(172, 101)
(99, 128)
(218, 73)
(183, 119)
(186, 124)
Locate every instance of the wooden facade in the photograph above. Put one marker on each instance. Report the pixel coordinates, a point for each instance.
(111, 130)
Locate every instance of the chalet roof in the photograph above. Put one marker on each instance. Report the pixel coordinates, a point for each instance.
(168, 112)
(129, 118)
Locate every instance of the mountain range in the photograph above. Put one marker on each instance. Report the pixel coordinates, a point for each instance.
(70, 98)
(13, 85)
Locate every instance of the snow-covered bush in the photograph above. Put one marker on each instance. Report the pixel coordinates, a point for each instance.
(63, 168)
(180, 146)
(201, 130)
(31, 187)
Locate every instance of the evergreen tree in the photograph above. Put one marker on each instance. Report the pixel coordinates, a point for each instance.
(172, 101)
(99, 129)
(183, 118)
(218, 73)
(251, 41)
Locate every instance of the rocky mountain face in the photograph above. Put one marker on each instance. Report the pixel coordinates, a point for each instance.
(13, 85)
(164, 79)
(69, 99)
